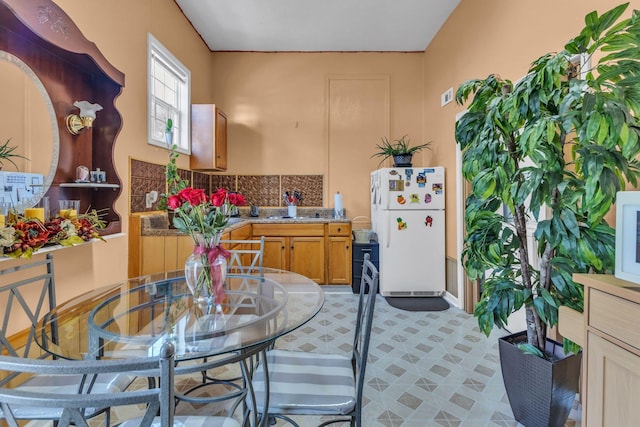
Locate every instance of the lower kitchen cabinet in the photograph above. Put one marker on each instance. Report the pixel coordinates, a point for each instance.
(177, 250)
(294, 247)
(275, 251)
(611, 375)
(161, 253)
(339, 254)
(303, 255)
(306, 257)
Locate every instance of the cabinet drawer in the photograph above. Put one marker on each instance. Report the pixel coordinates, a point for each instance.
(241, 233)
(288, 230)
(615, 316)
(342, 229)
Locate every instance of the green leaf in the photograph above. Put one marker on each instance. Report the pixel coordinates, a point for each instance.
(527, 348)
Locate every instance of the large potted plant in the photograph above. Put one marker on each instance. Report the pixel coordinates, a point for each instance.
(560, 141)
(399, 150)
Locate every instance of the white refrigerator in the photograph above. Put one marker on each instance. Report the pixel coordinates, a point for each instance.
(407, 214)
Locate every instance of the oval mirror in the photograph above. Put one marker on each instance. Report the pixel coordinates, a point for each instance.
(28, 120)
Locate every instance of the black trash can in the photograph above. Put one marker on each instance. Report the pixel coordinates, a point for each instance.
(358, 253)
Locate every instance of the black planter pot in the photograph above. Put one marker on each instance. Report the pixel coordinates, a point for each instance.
(541, 392)
(402, 161)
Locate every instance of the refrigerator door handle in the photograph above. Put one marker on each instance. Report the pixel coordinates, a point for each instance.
(387, 225)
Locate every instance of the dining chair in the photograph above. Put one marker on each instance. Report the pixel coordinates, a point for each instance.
(306, 383)
(246, 257)
(28, 292)
(74, 408)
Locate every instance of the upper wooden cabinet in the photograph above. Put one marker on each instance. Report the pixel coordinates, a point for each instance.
(208, 138)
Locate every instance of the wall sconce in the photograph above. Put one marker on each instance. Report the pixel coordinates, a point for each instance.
(75, 123)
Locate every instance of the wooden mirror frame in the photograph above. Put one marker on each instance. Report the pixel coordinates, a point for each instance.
(71, 68)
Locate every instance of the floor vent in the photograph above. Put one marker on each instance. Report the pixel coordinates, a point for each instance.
(428, 293)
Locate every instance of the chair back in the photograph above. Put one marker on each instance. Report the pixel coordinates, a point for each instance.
(27, 292)
(364, 321)
(246, 257)
(74, 407)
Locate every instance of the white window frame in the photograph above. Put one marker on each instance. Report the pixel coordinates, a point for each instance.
(179, 108)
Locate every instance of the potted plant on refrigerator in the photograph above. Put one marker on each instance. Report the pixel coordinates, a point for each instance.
(399, 150)
(562, 140)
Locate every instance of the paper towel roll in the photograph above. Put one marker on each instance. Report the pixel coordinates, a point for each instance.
(337, 205)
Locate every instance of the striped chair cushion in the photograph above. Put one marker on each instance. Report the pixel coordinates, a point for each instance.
(66, 384)
(307, 383)
(189, 421)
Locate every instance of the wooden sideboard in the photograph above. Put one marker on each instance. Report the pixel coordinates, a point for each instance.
(611, 342)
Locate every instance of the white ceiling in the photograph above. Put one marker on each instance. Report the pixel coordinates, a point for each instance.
(317, 25)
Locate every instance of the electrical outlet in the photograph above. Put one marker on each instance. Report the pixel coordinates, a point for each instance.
(150, 198)
(446, 97)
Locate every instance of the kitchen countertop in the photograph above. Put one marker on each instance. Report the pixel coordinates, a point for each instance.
(157, 224)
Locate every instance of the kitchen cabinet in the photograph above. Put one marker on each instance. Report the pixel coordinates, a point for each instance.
(240, 233)
(339, 251)
(208, 138)
(294, 247)
(150, 254)
(611, 376)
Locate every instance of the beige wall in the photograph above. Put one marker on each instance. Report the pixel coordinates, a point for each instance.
(278, 107)
(483, 37)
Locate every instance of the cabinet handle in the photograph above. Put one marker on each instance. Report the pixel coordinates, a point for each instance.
(291, 247)
(339, 229)
(347, 247)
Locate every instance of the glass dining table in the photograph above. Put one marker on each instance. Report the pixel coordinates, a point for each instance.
(135, 317)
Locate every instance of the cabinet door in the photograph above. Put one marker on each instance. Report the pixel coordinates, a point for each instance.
(339, 266)
(221, 141)
(152, 254)
(185, 248)
(613, 384)
(275, 253)
(306, 257)
(208, 138)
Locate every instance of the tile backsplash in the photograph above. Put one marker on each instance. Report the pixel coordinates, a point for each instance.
(259, 190)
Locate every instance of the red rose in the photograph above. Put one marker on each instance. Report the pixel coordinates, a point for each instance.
(237, 199)
(195, 196)
(174, 202)
(218, 198)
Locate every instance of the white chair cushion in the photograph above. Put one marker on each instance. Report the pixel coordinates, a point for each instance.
(66, 384)
(307, 383)
(189, 421)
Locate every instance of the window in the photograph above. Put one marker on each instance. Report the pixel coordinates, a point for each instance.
(169, 97)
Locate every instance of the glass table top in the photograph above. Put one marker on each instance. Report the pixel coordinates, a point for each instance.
(133, 318)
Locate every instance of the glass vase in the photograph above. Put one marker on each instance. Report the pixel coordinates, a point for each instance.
(205, 271)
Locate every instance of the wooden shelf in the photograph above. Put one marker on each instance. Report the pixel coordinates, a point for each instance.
(88, 185)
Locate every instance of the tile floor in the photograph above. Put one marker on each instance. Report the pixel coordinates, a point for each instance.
(425, 369)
